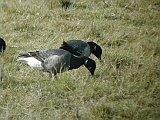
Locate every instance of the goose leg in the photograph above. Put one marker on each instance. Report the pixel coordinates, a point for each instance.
(55, 75)
(50, 74)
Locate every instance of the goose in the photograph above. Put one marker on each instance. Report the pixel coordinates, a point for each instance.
(79, 47)
(2, 45)
(55, 61)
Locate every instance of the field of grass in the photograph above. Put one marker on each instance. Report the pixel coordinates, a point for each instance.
(126, 84)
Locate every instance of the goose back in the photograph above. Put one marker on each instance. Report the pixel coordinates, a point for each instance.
(76, 47)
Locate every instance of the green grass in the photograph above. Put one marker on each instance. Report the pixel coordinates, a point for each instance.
(126, 84)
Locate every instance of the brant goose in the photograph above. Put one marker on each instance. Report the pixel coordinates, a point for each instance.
(55, 61)
(2, 45)
(79, 47)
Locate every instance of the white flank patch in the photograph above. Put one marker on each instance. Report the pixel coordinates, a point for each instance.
(32, 62)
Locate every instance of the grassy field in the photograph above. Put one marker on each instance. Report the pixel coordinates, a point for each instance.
(126, 84)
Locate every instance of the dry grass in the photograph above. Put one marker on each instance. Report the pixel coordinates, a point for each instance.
(126, 84)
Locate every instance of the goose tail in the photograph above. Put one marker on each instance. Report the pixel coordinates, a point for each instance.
(32, 62)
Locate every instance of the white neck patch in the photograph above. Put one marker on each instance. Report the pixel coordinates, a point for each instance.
(86, 61)
(95, 47)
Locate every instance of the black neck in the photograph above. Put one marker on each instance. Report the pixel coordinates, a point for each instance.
(76, 61)
(92, 46)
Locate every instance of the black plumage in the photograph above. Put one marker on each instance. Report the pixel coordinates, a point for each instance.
(2, 45)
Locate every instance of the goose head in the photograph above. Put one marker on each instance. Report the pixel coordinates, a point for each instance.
(95, 49)
(90, 65)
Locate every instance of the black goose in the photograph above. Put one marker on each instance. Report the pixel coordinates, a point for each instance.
(2, 45)
(79, 47)
(54, 60)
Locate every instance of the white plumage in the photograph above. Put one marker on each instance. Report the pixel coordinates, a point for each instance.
(32, 62)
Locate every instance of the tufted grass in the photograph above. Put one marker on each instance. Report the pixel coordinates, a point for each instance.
(126, 84)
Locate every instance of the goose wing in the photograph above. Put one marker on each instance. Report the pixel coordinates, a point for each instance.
(57, 63)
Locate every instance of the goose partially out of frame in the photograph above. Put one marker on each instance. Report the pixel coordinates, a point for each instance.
(2, 45)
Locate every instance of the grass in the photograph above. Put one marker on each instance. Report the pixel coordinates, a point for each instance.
(126, 83)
